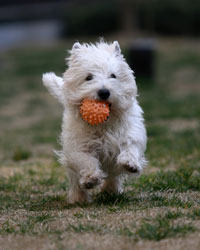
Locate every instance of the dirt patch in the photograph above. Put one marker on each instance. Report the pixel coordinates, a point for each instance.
(92, 241)
(21, 113)
(18, 242)
(178, 124)
(10, 171)
(186, 243)
(185, 82)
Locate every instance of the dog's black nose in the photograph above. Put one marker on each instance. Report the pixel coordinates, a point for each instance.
(104, 94)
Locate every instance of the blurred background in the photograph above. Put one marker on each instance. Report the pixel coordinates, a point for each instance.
(160, 40)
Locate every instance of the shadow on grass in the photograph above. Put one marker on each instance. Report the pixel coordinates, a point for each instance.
(131, 200)
(112, 199)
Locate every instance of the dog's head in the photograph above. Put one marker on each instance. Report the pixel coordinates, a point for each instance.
(99, 72)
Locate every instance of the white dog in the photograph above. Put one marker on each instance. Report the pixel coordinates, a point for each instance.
(106, 153)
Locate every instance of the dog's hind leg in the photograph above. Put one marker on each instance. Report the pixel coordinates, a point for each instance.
(113, 185)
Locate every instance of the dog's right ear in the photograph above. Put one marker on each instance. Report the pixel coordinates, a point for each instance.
(55, 85)
(117, 47)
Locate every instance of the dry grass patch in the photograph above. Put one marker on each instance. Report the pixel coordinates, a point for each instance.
(26, 242)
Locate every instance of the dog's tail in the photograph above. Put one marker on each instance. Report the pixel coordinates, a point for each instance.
(54, 84)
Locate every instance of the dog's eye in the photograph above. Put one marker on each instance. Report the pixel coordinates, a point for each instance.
(89, 77)
(112, 76)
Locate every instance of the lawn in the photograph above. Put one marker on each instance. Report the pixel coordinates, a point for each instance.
(159, 210)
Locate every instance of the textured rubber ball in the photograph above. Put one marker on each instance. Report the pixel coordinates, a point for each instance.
(94, 112)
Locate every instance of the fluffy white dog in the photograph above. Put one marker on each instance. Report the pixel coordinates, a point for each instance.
(106, 153)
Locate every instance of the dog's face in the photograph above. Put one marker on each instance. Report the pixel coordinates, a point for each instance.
(99, 72)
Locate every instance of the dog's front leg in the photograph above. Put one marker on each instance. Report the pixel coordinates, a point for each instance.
(84, 173)
(131, 158)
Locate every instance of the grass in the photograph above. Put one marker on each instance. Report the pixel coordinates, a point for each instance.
(162, 228)
(180, 180)
(156, 211)
(21, 154)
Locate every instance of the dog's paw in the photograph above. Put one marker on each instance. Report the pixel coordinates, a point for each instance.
(131, 169)
(129, 165)
(90, 181)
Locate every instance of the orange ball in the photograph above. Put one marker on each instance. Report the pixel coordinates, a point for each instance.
(94, 112)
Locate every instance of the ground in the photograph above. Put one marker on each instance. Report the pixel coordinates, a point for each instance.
(159, 210)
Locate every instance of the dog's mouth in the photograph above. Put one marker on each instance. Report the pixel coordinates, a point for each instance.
(107, 102)
(94, 112)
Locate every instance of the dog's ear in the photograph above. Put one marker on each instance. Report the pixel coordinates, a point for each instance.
(76, 46)
(54, 84)
(117, 48)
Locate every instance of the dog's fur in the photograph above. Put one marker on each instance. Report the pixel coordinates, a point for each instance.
(104, 154)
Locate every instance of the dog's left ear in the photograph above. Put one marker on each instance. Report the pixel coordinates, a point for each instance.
(76, 46)
(117, 48)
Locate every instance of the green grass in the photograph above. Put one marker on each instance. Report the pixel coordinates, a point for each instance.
(194, 214)
(180, 180)
(171, 215)
(162, 204)
(21, 154)
(158, 228)
(88, 228)
(162, 228)
(27, 226)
